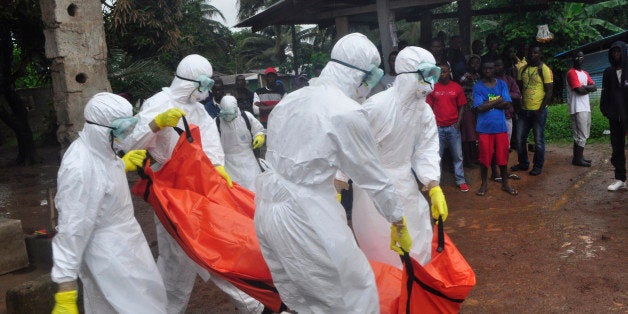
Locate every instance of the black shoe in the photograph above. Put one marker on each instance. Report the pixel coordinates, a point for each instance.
(535, 171)
(518, 167)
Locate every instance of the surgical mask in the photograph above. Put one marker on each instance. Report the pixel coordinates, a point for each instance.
(203, 83)
(372, 76)
(198, 96)
(228, 114)
(424, 89)
(361, 93)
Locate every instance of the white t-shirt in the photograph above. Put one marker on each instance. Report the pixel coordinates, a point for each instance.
(577, 102)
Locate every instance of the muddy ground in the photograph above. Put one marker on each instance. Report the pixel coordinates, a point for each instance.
(559, 246)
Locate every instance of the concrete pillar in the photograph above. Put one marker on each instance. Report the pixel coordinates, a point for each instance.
(13, 254)
(75, 41)
(387, 30)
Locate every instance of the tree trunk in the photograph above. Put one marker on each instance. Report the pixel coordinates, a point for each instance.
(12, 110)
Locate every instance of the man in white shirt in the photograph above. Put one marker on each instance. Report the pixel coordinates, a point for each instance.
(579, 85)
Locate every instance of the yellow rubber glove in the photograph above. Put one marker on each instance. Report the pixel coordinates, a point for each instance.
(134, 159)
(258, 141)
(439, 205)
(169, 117)
(65, 302)
(223, 173)
(400, 240)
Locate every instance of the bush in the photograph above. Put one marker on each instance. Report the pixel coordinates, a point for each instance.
(558, 126)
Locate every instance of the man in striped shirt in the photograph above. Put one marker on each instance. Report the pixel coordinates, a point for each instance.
(265, 98)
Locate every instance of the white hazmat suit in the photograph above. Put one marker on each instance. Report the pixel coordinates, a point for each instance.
(98, 238)
(176, 268)
(302, 229)
(407, 139)
(237, 141)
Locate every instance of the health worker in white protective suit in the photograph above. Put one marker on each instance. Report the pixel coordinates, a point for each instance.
(407, 139)
(98, 238)
(190, 85)
(240, 134)
(315, 262)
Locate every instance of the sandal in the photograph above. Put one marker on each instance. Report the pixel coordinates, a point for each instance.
(498, 179)
(513, 176)
(510, 190)
(481, 191)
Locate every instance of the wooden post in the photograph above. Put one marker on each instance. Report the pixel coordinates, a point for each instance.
(384, 19)
(464, 23)
(295, 50)
(342, 27)
(426, 29)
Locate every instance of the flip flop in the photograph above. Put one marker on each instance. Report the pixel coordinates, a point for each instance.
(512, 191)
(481, 192)
(498, 179)
(513, 176)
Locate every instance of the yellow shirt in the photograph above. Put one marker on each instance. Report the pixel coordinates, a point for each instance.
(520, 63)
(533, 91)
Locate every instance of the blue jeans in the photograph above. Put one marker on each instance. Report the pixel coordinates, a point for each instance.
(526, 120)
(449, 137)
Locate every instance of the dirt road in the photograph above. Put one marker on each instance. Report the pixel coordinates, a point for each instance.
(559, 246)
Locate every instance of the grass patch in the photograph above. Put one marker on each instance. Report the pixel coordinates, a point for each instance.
(558, 126)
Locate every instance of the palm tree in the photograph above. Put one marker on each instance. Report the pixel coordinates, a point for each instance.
(141, 78)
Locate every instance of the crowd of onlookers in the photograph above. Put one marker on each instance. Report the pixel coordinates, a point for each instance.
(529, 85)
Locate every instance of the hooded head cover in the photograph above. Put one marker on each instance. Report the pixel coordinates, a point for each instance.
(106, 113)
(409, 83)
(356, 50)
(622, 54)
(228, 108)
(191, 70)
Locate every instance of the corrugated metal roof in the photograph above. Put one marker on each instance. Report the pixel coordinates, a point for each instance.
(603, 43)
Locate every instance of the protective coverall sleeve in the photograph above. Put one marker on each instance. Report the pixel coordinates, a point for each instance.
(358, 159)
(256, 126)
(341, 176)
(425, 158)
(78, 201)
(211, 140)
(142, 134)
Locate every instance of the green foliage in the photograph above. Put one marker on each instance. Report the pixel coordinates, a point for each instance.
(33, 73)
(140, 78)
(558, 127)
(147, 39)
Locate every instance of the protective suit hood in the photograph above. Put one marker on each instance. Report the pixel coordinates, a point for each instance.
(228, 108)
(354, 49)
(191, 67)
(103, 108)
(410, 88)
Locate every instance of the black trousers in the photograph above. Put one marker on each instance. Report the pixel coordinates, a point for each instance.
(618, 142)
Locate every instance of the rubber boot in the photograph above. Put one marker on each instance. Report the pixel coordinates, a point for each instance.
(578, 161)
(573, 161)
(586, 160)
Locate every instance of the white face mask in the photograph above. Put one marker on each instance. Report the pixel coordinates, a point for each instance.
(424, 89)
(198, 96)
(361, 93)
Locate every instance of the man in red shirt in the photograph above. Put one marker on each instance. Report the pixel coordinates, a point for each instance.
(448, 101)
